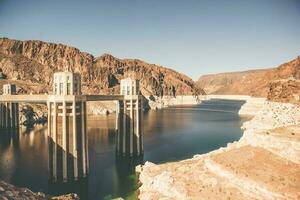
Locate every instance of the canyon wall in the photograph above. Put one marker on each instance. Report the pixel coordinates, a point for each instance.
(287, 90)
(277, 84)
(35, 62)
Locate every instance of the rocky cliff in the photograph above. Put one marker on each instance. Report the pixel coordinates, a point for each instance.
(254, 83)
(263, 164)
(233, 83)
(286, 90)
(36, 61)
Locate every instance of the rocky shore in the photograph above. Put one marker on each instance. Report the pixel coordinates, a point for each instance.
(263, 164)
(150, 102)
(10, 192)
(156, 102)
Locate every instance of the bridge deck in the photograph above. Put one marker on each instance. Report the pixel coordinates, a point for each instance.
(44, 98)
(35, 98)
(103, 97)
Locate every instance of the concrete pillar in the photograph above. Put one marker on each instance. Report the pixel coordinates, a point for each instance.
(137, 110)
(75, 141)
(124, 142)
(129, 134)
(141, 120)
(131, 127)
(52, 133)
(1, 115)
(16, 115)
(55, 140)
(84, 140)
(48, 117)
(117, 126)
(117, 116)
(9, 112)
(64, 141)
(68, 156)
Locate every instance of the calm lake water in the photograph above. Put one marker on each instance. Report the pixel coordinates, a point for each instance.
(170, 134)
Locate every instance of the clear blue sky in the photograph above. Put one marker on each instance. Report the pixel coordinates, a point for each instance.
(191, 36)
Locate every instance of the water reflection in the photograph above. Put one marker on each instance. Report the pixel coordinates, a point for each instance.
(125, 167)
(170, 134)
(57, 172)
(23, 157)
(9, 140)
(57, 185)
(10, 137)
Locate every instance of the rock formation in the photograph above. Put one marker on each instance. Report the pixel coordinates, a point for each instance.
(234, 83)
(287, 90)
(2, 75)
(8, 191)
(36, 61)
(29, 117)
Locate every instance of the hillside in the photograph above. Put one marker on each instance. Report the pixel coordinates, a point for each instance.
(230, 83)
(259, 83)
(36, 61)
(286, 91)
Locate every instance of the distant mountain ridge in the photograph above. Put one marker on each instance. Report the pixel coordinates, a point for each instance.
(224, 83)
(261, 83)
(35, 62)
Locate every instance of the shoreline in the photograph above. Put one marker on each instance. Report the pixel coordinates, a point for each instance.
(153, 103)
(261, 133)
(271, 137)
(9, 191)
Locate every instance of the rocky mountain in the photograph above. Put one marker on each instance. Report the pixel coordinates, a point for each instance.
(231, 82)
(272, 83)
(34, 62)
(286, 91)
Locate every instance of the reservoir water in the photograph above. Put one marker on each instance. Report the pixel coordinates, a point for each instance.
(170, 134)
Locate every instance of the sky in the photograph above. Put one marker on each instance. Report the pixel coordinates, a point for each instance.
(194, 37)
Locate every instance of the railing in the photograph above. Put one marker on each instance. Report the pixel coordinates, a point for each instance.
(40, 98)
